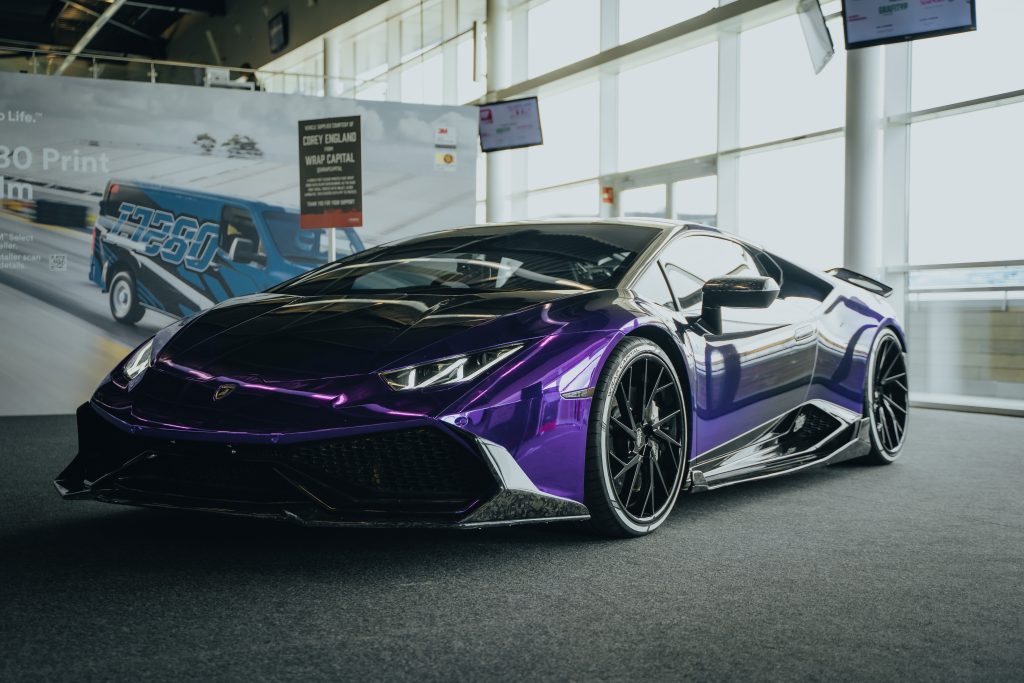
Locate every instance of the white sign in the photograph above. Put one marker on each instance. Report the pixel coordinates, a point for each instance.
(507, 125)
(873, 22)
(446, 137)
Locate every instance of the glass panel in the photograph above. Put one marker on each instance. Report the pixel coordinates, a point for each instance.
(967, 348)
(423, 81)
(969, 65)
(687, 289)
(668, 109)
(371, 53)
(549, 46)
(780, 96)
(563, 202)
(965, 177)
(651, 285)
(702, 257)
(377, 90)
(569, 152)
(421, 29)
(647, 202)
(508, 257)
(470, 11)
(410, 36)
(791, 202)
(640, 17)
(433, 24)
(481, 176)
(967, 278)
(467, 89)
(187, 75)
(696, 200)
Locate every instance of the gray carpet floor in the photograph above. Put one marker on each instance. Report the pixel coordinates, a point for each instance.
(913, 571)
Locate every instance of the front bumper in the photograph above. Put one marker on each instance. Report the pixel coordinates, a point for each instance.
(424, 474)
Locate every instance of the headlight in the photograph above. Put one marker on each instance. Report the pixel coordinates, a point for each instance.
(448, 370)
(139, 361)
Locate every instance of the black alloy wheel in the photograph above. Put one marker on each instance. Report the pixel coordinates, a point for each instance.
(637, 457)
(887, 399)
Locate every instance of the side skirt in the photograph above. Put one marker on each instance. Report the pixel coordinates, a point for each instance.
(775, 448)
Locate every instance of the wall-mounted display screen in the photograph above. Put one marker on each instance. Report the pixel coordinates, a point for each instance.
(277, 29)
(510, 124)
(877, 22)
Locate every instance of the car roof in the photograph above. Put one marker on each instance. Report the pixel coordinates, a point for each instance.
(659, 223)
(199, 194)
(666, 227)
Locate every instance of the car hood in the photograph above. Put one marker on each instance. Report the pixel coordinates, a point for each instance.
(270, 337)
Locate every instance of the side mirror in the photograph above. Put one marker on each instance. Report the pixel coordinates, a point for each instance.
(242, 251)
(735, 292)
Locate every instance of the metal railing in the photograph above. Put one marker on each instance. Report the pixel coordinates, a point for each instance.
(26, 59)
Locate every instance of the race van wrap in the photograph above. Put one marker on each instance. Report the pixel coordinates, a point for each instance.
(179, 250)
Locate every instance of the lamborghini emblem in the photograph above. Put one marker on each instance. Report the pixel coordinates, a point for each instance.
(223, 390)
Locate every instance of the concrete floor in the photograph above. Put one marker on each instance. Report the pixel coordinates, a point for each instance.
(914, 571)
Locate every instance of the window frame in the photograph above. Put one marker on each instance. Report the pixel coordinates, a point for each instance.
(686, 234)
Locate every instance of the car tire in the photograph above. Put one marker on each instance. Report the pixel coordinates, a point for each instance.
(886, 398)
(636, 442)
(124, 299)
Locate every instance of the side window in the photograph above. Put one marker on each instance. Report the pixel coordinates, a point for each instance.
(237, 224)
(692, 260)
(652, 286)
(686, 286)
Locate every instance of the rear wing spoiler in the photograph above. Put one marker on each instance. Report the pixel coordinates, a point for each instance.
(862, 281)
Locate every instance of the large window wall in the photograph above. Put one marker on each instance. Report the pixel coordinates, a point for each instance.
(658, 125)
(733, 127)
(668, 109)
(711, 111)
(421, 51)
(964, 272)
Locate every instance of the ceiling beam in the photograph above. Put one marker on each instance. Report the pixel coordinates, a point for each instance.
(112, 22)
(207, 7)
(87, 37)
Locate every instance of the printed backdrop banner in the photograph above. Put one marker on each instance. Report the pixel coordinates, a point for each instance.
(126, 205)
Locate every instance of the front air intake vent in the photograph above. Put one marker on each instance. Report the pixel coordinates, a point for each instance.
(404, 464)
(422, 469)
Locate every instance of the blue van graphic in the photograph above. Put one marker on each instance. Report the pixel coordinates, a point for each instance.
(179, 251)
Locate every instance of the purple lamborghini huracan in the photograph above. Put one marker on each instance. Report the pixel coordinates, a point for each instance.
(498, 374)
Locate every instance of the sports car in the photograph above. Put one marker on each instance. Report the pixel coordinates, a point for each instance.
(500, 374)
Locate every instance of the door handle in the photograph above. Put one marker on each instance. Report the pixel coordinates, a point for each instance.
(803, 332)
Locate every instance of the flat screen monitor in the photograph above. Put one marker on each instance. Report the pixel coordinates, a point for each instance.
(510, 124)
(277, 28)
(877, 22)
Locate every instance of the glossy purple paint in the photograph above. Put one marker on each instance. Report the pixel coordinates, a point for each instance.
(308, 369)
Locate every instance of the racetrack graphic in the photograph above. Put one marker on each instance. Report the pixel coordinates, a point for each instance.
(209, 183)
(59, 339)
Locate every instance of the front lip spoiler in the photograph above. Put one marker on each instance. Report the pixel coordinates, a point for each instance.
(517, 501)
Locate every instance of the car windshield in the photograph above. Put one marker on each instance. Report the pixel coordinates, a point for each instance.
(503, 257)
